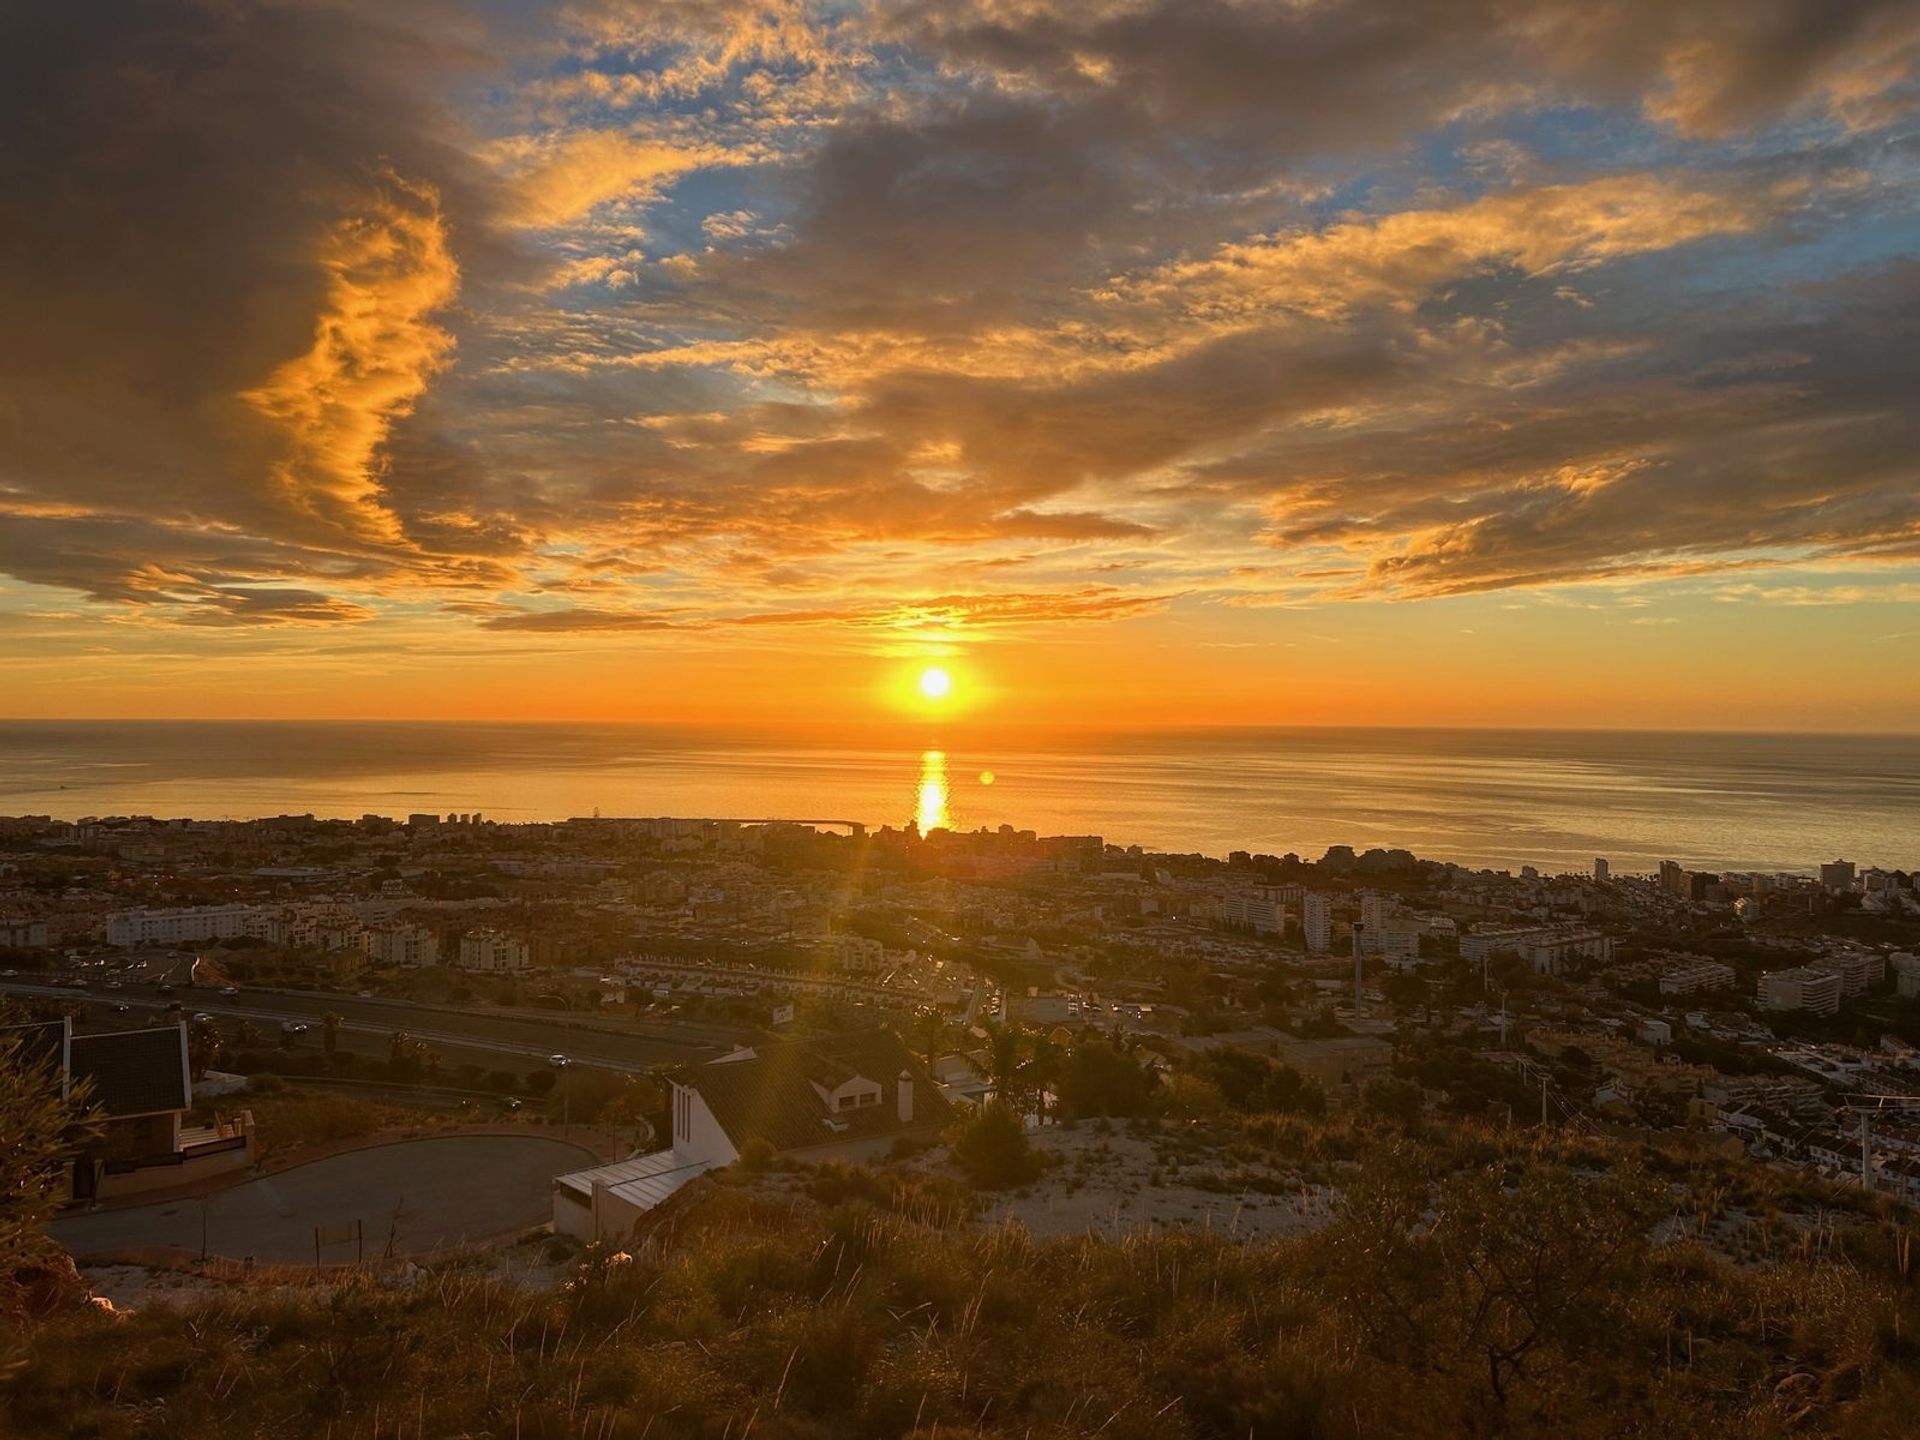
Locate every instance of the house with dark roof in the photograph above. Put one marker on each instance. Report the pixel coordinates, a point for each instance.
(835, 1097)
(135, 1089)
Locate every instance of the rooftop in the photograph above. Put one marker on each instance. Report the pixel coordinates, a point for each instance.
(128, 1072)
(771, 1095)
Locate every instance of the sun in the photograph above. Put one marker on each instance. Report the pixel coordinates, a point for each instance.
(935, 683)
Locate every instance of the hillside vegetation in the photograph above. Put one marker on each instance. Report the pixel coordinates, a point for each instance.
(1469, 1284)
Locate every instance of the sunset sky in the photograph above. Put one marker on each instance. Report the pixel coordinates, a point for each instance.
(1165, 363)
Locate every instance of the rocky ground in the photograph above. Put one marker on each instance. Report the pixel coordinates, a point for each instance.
(1115, 1182)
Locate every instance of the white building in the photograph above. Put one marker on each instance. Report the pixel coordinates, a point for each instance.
(858, 955)
(408, 946)
(847, 1096)
(1396, 941)
(493, 952)
(188, 926)
(1690, 974)
(1316, 918)
(1800, 989)
(1550, 949)
(1859, 970)
(1376, 910)
(1254, 912)
(1906, 975)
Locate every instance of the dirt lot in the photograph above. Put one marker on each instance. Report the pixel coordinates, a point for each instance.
(1115, 1184)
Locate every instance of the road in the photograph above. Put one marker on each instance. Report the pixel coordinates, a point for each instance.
(519, 1033)
(416, 1195)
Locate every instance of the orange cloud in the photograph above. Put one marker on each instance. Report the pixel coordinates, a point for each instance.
(554, 179)
(376, 347)
(1402, 257)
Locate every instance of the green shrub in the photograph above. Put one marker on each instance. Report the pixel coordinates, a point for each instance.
(757, 1156)
(991, 1146)
(1098, 1079)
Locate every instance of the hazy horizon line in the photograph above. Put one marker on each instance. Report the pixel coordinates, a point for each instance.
(960, 725)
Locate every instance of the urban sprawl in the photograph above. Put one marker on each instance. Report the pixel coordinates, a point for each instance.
(1775, 1013)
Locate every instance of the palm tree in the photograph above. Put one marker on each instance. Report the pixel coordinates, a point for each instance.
(1042, 1070)
(203, 1045)
(330, 1033)
(1003, 1063)
(930, 1030)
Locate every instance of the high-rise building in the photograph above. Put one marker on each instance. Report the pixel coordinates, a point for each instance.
(1906, 975)
(1601, 870)
(1254, 912)
(1316, 918)
(1837, 877)
(1858, 970)
(1800, 989)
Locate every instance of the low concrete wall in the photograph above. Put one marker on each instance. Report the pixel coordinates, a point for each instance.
(194, 1171)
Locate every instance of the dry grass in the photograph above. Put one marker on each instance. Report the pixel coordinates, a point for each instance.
(847, 1302)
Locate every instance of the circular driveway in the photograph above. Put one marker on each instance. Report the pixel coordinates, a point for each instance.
(426, 1194)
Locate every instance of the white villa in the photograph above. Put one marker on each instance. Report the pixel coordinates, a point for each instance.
(847, 1097)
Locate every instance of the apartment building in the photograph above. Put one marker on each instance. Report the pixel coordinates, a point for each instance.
(493, 952)
(1800, 988)
(408, 946)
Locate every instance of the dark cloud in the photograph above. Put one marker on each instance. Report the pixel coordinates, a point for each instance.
(187, 193)
(304, 314)
(1797, 436)
(1303, 78)
(231, 605)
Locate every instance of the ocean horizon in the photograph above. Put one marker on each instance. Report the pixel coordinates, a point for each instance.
(1493, 798)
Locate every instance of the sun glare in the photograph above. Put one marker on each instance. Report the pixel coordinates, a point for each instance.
(935, 683)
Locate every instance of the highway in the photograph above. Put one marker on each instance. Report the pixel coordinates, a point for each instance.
(520, 1033)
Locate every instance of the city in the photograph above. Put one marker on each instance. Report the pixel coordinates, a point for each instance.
(959, 720)
(475, 965)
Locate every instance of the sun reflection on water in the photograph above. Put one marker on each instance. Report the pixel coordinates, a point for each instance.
(931, 813)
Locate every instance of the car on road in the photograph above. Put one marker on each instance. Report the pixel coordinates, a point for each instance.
(513, 1104)
(9, 973)
(121, 1009)
(229, 989)
(200, 1017)
(293, 1027)
(559, 1062)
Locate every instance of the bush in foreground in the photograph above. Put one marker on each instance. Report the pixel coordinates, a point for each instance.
(1517, 1298)
(991, 1146)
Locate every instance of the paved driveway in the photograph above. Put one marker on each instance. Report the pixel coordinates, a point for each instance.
(427, 1193)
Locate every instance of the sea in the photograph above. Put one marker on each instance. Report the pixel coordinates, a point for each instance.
(1554, 799)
